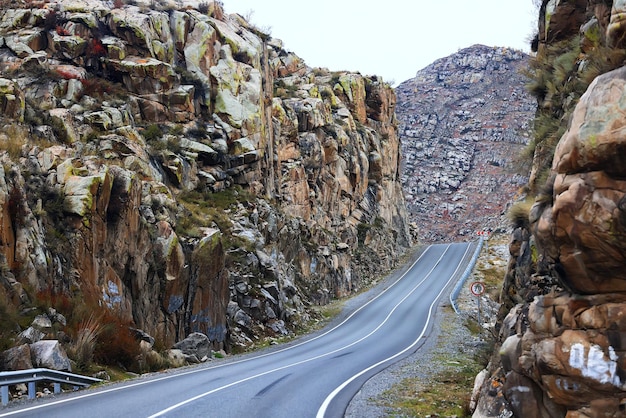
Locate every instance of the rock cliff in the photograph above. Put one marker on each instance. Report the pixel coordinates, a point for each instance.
(462, 119)
(178, 167)
(562, 350)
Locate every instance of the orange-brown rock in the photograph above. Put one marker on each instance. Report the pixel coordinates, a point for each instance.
(584, 229)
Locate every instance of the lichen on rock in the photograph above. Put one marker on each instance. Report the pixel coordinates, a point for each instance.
(163, 180)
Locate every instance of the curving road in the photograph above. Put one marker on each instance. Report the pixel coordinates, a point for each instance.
(312, 377)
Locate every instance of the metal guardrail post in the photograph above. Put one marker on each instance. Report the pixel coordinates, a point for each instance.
(32, 390)
(4, 393)
(57, 387)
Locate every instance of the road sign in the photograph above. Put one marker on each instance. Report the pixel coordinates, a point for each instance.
(477, 288)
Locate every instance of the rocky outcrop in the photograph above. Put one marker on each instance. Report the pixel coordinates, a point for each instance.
(462, 119)
(583, 229)
(180, 168)
(562, 351)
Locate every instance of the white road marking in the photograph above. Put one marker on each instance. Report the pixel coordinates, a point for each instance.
(322, 411)
(118, 388)
(195, 398)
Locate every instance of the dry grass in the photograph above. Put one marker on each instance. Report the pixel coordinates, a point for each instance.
(83, 346)
(13, 137)
(518, 213)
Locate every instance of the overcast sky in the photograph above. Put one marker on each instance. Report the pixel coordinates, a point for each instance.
(390, 38)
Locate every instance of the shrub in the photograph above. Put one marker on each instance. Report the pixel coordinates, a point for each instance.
(62, 31)
(558, 76)
(9, 323)
(83, 345)
(116, 344)
(96, 48)
(16, 207)
(66, 75)
(152, 133)
(14, 138)
(518, 213)
(50, 21)
(53, 202)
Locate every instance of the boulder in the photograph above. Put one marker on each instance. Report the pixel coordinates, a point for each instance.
(197, 45)
(16, 358)
(42, 323)
(353, 86)
(31, 335)
(572, 350)
(176, 358)
(50, 355)
(56, 317)
(195, 347)
(144, 31)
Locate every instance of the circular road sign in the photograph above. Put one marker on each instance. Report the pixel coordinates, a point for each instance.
(477, 288)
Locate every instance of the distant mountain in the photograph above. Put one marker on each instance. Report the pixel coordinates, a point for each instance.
(463, 120)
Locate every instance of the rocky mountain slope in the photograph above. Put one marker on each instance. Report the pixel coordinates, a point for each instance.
(462, 121)
(173, 167)
(562, 341)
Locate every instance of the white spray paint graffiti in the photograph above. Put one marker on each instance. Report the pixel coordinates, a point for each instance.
(594, 364)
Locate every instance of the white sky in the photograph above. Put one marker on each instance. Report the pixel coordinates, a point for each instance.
(390, 38)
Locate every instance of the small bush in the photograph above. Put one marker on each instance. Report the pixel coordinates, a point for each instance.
(9, 324)
(62, 31)
(14, 138)
(96, 48)
(50, 21)
(53, 202)
(83, 345)
(116, 344)
(518, 213)
(152, 133)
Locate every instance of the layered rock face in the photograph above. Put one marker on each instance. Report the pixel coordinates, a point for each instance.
(563, 342)
(178, 166)
(462, 119)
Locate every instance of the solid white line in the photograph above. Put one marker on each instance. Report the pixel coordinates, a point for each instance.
(195, 398)
(199, 370)
(322, 411)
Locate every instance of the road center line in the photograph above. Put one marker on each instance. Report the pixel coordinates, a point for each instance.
(200, 370)
(195, 398)
(322, 411)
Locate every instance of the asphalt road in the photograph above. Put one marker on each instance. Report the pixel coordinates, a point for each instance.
(316, 376)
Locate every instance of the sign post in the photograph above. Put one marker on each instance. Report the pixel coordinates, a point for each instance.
(477, 289)
(484, 234)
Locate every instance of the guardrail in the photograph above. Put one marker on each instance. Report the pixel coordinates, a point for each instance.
(468, 270)
(32, 376)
